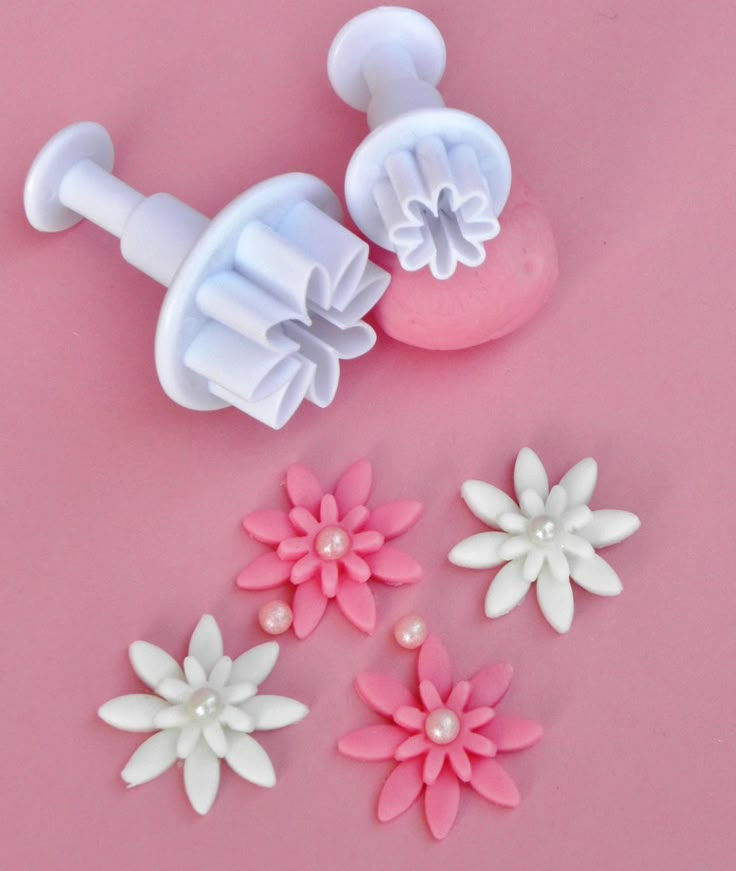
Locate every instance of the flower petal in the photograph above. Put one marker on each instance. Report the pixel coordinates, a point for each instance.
(268, 526)
(479, 744)
(579, 482)
(236, 719)
(507, 589)
(459, 696)
(188, 737)
(555, 600)
(355, 518)
(487, 502)
(303, 488)
(194, 672)
(201, 777)
(515, 546)
(304, 520)
(174, 690)
(354, 486)
(414, 745)
(532, 565)
(512, 733)
(373, 743)
(356, 567)
(610, 526)
(441, 803)
(357, 603)
(490, 685)
(431, 699)
(401, 790)
(383, 693)
(576, 545)
(255, 665)
(237, 693)
(393, 566)
(558, 565)
(172, 717)
(206, 642)
(575, 519)
(151, 664)
(294, 547)
(274, 712)
(248, 759)
(556, 501)
(478, 717)
(305, 568)
(531, 503)
(368, 541)
(491, 781)
(215, 738)
(481, 551)
(154, 756)
(513, 523)
(460, 762)
(329, 576)
(133, 713)
(433, 763)
(433, 664)
(410, 717)
(328, 511)
(309, 606)
(595, 575)
(264, 573)
(220, 673)
(529, 474)
(395, 518)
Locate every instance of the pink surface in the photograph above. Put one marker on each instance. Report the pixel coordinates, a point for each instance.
(121, 512)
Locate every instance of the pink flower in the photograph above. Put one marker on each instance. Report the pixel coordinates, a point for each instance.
(330, 545)
(447, 737)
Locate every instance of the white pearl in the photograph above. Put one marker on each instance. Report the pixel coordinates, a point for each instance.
(442, 726)
(543, 529)
(204, 704)
(410, 631)
(275, 617)
(332, 543)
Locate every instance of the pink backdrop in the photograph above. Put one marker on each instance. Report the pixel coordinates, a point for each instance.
(120, 511)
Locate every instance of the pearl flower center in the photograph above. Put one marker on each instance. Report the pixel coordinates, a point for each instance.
(543, 529)
(442, 726)
(332, 543)
(204, 704)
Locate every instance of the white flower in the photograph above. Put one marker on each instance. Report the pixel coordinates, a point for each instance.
(549, 537)
(204, 713)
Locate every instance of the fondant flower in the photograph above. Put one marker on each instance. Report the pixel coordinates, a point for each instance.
(201, 714)
(447, 736)
(330, 545)
(550, 537)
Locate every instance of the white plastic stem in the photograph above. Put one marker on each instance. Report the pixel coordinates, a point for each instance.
(394, 84)
(95, 194)
(156, 233)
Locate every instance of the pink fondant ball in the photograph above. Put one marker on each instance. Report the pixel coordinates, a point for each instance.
(476, 305)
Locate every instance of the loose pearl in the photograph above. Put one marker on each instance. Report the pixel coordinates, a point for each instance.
(411, 631)
(542, 529)
(442, 726)
(275, 617)
(204, 704)
(332, 543)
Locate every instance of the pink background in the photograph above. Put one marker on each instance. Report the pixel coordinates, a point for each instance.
(120, 510)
